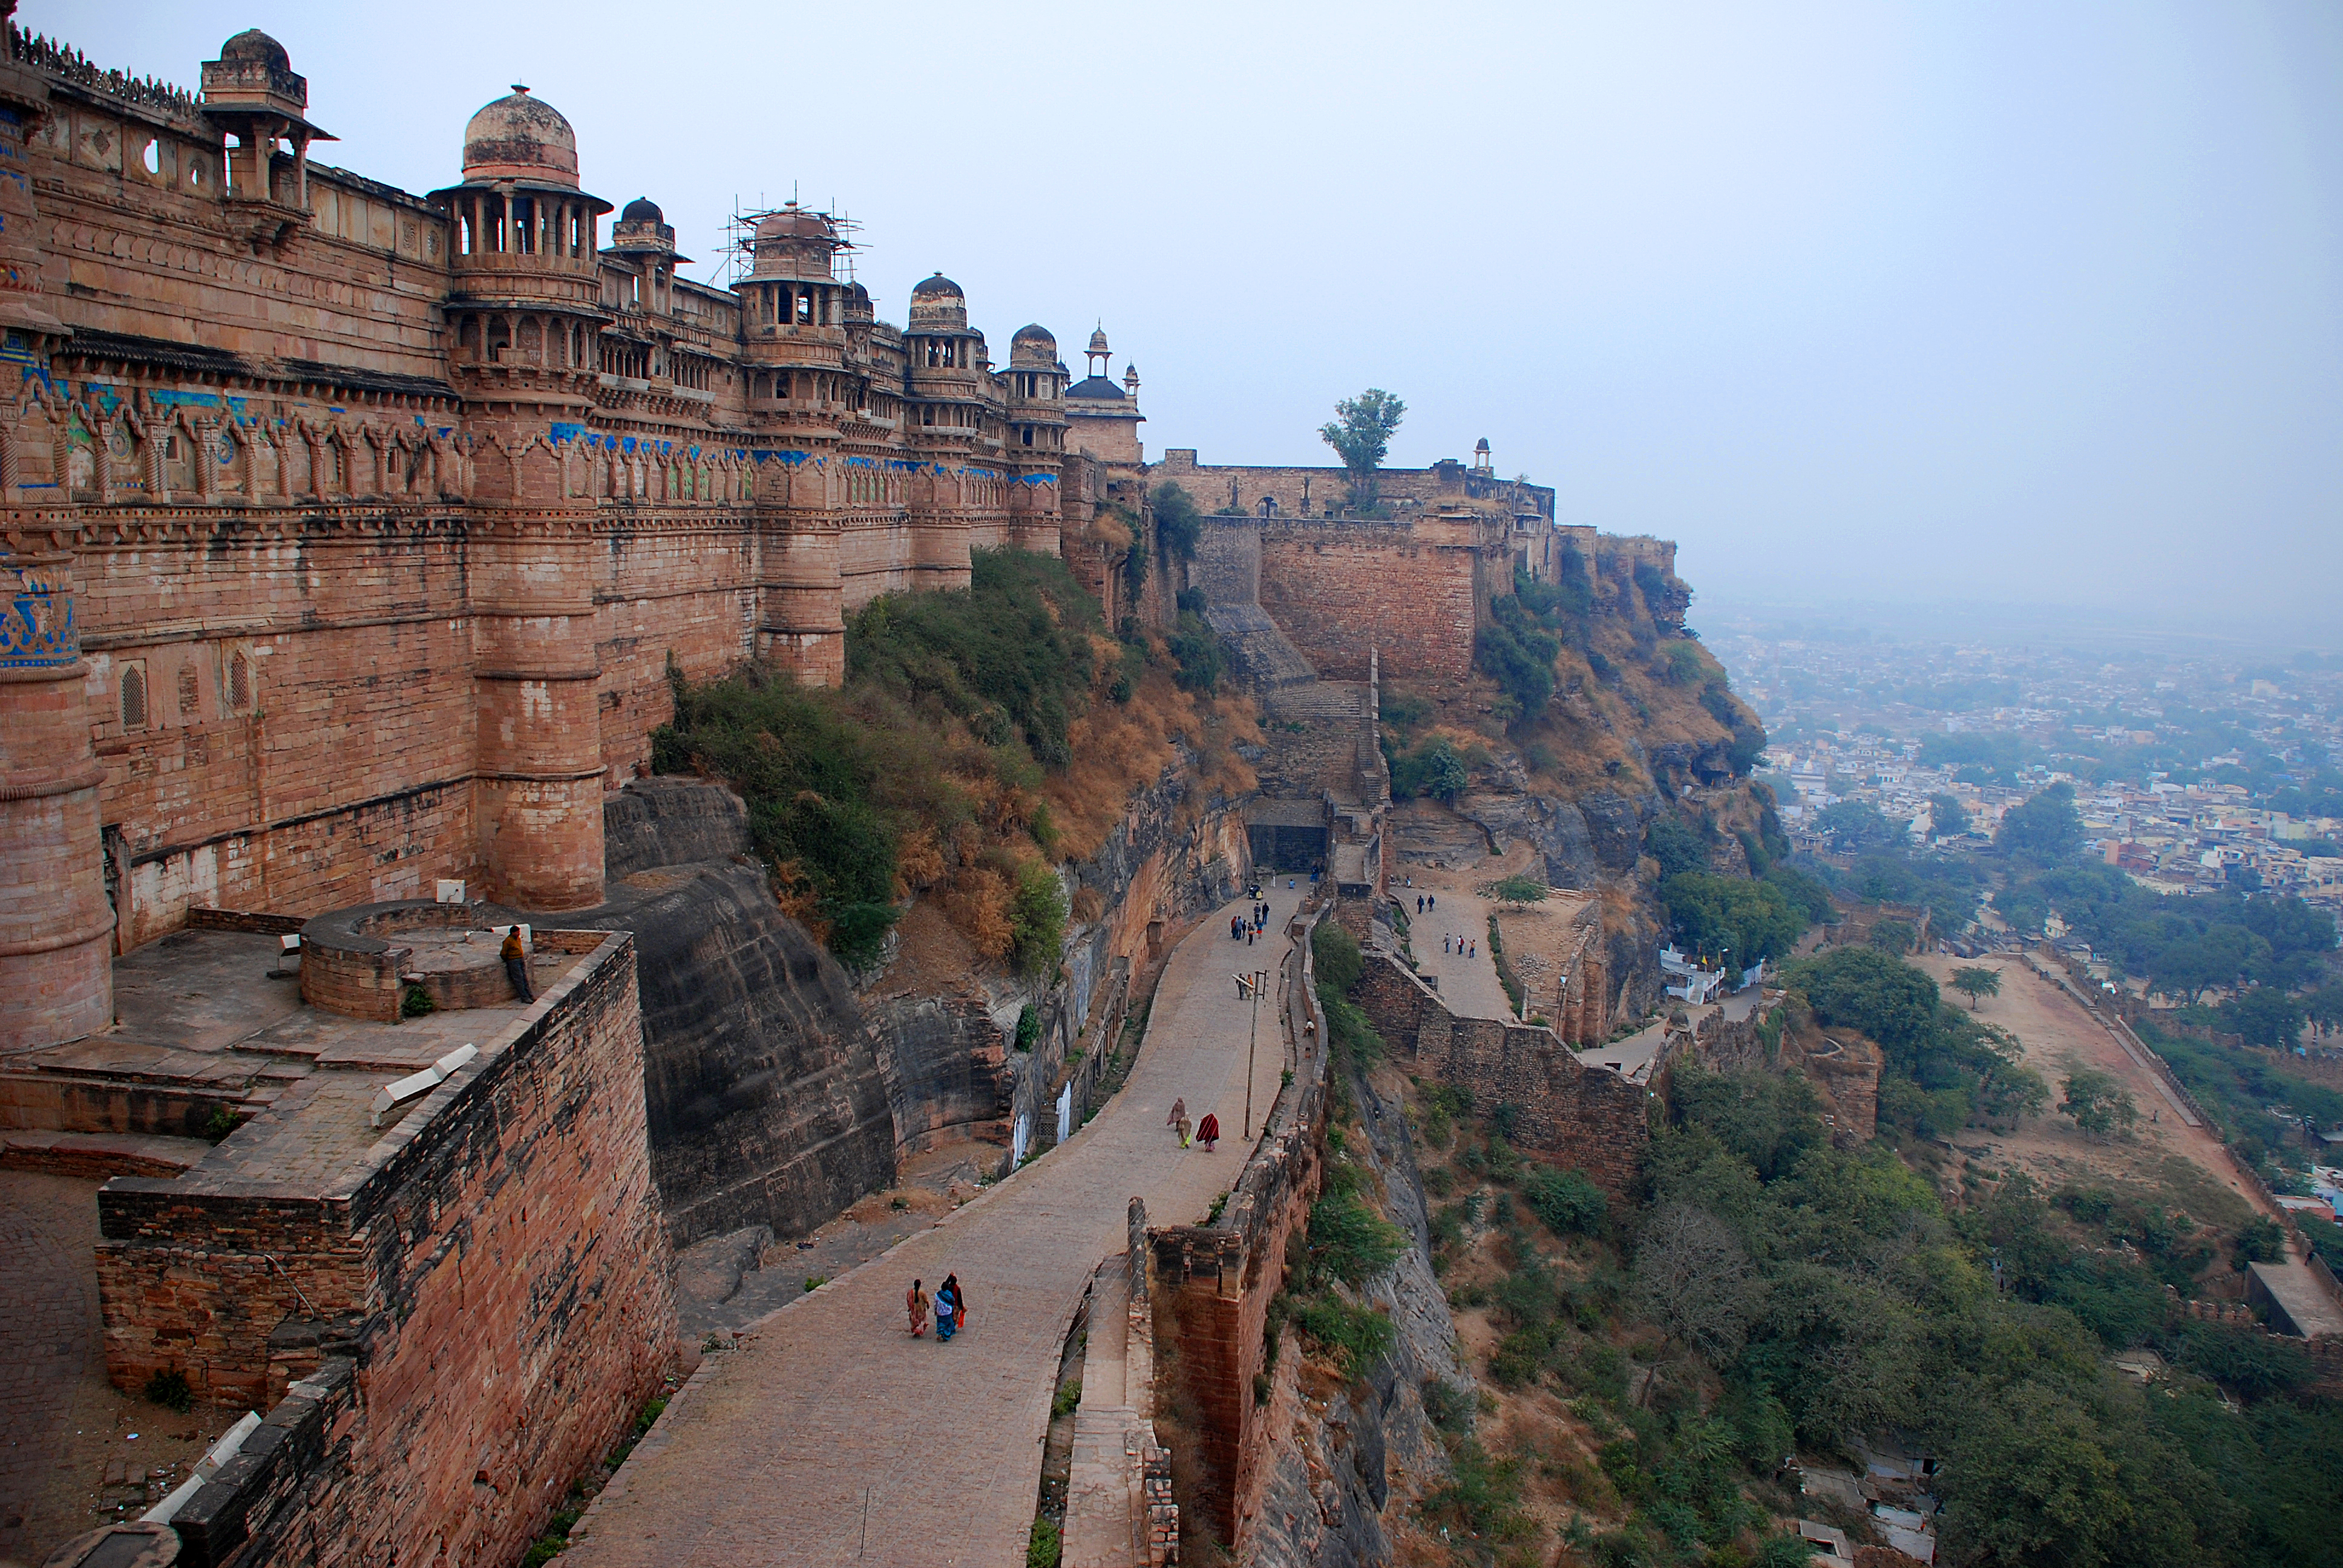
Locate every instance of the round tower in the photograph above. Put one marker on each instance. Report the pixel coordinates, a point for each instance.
(56, 953)
(1035, 441)
(526, 319)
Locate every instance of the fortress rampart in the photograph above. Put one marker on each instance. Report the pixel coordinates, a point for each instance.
(351, 533)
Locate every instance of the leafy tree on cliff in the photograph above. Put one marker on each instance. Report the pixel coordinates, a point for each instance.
(1178, 523)
(2044, 829)
(1755, 921)
(1361, 433)
(1517, 891)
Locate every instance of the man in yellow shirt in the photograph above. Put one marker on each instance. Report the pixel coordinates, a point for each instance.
(516, 959)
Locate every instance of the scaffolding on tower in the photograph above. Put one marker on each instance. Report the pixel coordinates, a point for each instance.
(740, 238)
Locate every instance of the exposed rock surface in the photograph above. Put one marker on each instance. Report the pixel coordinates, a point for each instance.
(767, 1088)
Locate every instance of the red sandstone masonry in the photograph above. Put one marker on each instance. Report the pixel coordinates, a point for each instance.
(502, 1240)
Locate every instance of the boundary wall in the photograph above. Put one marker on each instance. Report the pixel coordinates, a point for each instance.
(1590, 1116)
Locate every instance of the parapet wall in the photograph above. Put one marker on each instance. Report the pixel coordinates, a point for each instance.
(493, 1262)
(1592, 1118)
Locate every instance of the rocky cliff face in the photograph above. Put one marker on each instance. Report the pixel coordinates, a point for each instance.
(950, 1020)
(766, 1088)
(1354, 1457)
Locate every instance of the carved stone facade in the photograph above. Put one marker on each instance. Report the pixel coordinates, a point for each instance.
(350, 534)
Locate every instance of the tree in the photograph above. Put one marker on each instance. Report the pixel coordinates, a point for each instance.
(1855, 826)
(2265, 1016)
(1361, 435)
(1946, 819)
(1974, 980)
(1178, 523)
(2097, 1103)
(2044, 829)
(1895, 936)
(1516, 890)
(1692, 1279)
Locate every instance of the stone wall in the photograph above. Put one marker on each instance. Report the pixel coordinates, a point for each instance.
(1308, 490)
(1414, 590)
(1589, 1117)
(502, 1240)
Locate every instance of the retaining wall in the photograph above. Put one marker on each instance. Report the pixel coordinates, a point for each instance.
(1591, 1117)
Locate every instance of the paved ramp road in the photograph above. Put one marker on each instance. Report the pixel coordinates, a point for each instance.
(773, 1453)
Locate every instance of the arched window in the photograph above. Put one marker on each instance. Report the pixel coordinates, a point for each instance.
(134, 698)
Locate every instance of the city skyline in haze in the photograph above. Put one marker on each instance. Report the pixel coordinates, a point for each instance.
(1866, 305)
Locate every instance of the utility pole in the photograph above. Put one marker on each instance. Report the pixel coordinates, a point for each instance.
(1259, 978)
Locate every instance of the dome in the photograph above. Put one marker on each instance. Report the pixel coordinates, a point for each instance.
(794, 222)
(1097, 342)
(642, 209)
(520, 138)
(938, 305)
(254, 46)
(1033, 348)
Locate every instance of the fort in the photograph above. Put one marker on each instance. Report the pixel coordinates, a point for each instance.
(353, 540)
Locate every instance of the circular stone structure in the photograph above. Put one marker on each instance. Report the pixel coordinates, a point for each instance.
(359, 961)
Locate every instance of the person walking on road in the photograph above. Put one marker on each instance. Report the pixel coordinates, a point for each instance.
(951, 1308)
(1178, 1112)
(915, 1302)
(516, 959)
(1208, 1131)
(1182, 1127)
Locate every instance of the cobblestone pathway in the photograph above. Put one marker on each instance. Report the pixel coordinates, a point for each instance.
(832, 1437)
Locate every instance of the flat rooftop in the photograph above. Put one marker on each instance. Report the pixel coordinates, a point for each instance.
(214, 1016)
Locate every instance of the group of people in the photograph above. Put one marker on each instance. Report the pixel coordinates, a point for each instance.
(1206, 1133)
(1249, 927)
(1426, 901)
(949, 1308)
(1462, 948)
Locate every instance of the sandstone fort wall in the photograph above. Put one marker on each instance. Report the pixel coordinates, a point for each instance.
(501, 1240)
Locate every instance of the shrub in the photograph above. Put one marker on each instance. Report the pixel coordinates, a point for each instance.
(171, 1391)
(1043, 1548)
(1354, 1336)
(1037, 920)
(1029, 1027)
(1334, 953)
(1432, 769)
(1566, 1201)
(414, 1002)
(1197, 648)
(1351, 1241)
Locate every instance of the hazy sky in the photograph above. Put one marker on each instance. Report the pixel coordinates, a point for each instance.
(2008, 302)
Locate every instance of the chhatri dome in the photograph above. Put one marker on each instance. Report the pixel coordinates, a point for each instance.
(519, 138)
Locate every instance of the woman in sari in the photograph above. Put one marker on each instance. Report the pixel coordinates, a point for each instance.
(1208, 1131)
(915, 1303)
(951, 1312)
